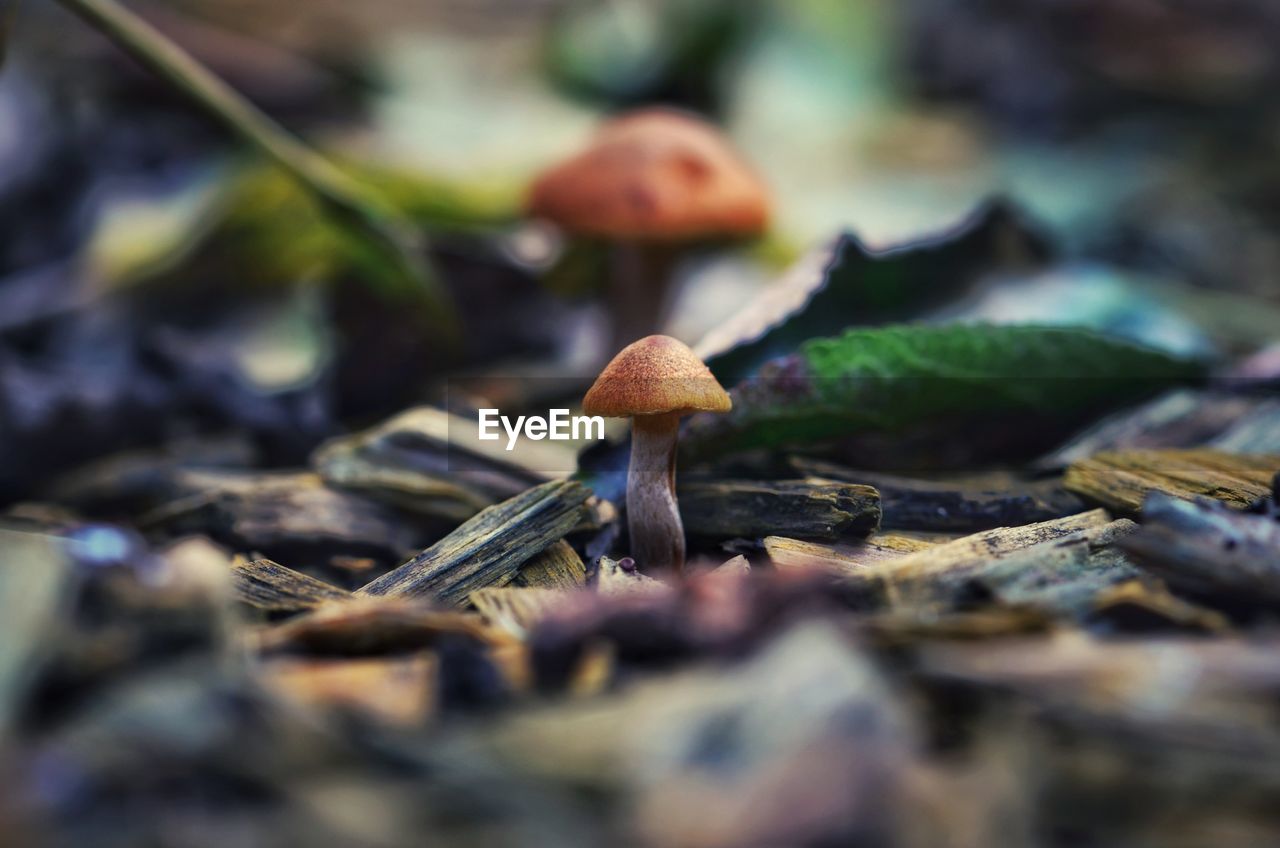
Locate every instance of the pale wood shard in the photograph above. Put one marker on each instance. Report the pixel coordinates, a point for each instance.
(558, 567)
(273, 587)
(736, 566)
(841, 559)
(488, 549)
(399, 691)
(1120, 481)
(1058, 577)
(516, 611)
(810, 509)
(981, 547)
(613, 580)
(367, 626)
(1145, 605)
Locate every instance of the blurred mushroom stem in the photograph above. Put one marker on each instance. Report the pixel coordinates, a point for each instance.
(653, 520)
(639, 290)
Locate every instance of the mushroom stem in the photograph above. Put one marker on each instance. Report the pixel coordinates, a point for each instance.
(653, 521)
(639, 290)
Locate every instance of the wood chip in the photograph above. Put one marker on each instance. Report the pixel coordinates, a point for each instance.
(966, 504)
(289, 514)
(489, 548)
(1141, 606)
(737, 566)
(398, 691)
(516, 611)
(841, 559)
(1209, 549)
(558, 567)
(808, 509)
(270, 586)
(366, 626)
(1121, 480)
(977, 549)
(612, 579)
(430, 461)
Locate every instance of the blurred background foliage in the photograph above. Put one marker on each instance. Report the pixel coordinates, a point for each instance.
(157, 280)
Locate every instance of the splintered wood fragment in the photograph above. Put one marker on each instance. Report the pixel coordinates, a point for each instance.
(1209, 549)
(736, 566)
(489, 548)
(516, 611)
(978, 548)
(965, 504)
(1140, 606)
(558, 567)
(1061, 577)
(1121, 480)
(397, 691)
(272, 587)
(809, 509)
(367, 626)
(430, 461)
(841, 559)
(271, 511)
(912, 627)
(612, 579)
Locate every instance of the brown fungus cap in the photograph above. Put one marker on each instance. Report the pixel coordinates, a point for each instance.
(654, 376)
(654, 175)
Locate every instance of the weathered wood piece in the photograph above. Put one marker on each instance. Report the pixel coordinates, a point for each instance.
(968, 504)
(558, 567)
(367, 626)
(620, 577)
(395, 690)
(270, 586)
(1143, 605)
(1255, 431)
(841, 559)
(806, 509)
(1209, 549)
(953, 558)
(733, 567)
(516, 611)
(428, 460)
(1061, 578)
(1120, 481)
(288, 515)
(489, 548)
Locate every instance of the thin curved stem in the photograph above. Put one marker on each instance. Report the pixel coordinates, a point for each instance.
(653, 519)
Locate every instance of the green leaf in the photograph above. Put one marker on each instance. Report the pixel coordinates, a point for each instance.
(851, 285)
(897, 379)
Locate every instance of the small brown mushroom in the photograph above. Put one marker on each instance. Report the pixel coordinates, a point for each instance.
(655, 381)
(651, 183)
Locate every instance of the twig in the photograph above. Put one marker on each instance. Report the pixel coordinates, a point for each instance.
(351, 205)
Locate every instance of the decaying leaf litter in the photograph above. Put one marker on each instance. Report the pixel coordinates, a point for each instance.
(951, 579)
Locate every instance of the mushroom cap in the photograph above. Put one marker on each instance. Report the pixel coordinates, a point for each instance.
(654, 376)
(656, 175)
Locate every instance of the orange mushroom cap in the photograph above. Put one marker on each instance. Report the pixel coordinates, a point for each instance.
(654, 175)
(654, 376)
